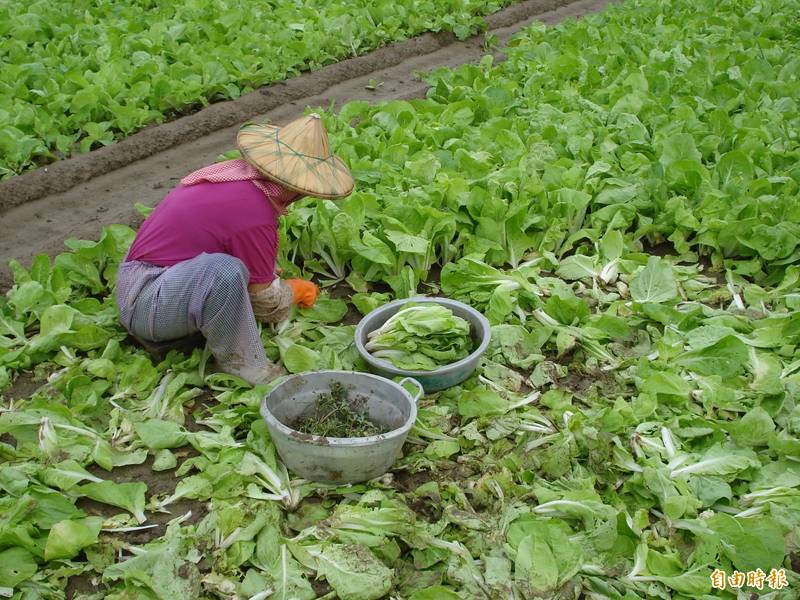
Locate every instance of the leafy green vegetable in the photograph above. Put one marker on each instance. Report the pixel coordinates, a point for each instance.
(353, 571)
(498, 294)
(366, 303)
(654, 283)
(76, 98)
(129, 496)
(16, 565)
(632, 427)
(435, 593)
(161, 569)
(66, 475)
(67, 538)
(421, 337)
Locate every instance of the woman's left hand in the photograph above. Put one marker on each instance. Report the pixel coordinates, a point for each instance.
(304, 292)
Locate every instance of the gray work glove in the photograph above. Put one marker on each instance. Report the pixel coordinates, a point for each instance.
(273, 304)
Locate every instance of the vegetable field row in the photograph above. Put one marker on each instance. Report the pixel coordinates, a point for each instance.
(77, 75)
(620, 199)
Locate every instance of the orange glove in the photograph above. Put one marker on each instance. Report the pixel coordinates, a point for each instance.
(304, 292)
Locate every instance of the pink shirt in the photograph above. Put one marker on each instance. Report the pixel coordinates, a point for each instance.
(232, 218)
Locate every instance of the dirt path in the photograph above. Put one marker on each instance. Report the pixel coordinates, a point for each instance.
(101, 188)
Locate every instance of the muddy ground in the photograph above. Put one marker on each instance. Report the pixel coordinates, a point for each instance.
(78, 196)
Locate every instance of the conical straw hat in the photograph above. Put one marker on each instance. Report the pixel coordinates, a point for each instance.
(297, 156)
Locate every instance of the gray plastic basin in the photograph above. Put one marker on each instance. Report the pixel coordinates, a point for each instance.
(340, 460)
(443, 377)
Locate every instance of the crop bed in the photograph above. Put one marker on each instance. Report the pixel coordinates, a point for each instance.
(619, 198)
(79, 75)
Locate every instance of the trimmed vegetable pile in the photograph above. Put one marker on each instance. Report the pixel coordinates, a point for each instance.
(421, 337)
(81, 74)
(337, 415)
(620, 198)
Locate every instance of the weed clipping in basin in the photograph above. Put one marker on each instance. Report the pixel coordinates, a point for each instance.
(421, 337)
(337, 414)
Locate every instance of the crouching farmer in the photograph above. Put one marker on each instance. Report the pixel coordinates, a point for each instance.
(204, 260)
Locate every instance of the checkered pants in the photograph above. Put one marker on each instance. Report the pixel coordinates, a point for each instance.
(207, 293)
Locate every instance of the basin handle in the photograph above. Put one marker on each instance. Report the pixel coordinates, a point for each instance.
(420, 390)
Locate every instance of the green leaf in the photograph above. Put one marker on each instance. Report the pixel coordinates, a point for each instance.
(516, 346)
(755, 429)
(50, 507)
(195, 486)
(665, 382)
(404, 242)
(442, 448)
(578, 266)
(778, 473)
(354, 572)
(726, 358)
(288, 579)
(535, 569)
(734, 168)
(164, 461)
(67, 538)
(655, 283)
(481, 402)
(325, 310)
(694, 584)
(254, 583)
(719, 460)
(144, 210)
(25, 296)
(158, 435)
(751, 543)
(373, 249)
(367, 302)
(678, 147)
(161, 569)
(129, 496)
(66, 475)
(767, 373)
(300, 359)
(16, 565)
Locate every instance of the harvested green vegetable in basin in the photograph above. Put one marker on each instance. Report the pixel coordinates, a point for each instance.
(421, 338)
(338, 415)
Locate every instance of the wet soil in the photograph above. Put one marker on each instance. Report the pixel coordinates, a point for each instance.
(158, 483)
(22, 387)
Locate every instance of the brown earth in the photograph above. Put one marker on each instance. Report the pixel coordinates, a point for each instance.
(76, 197)
(22, 387)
